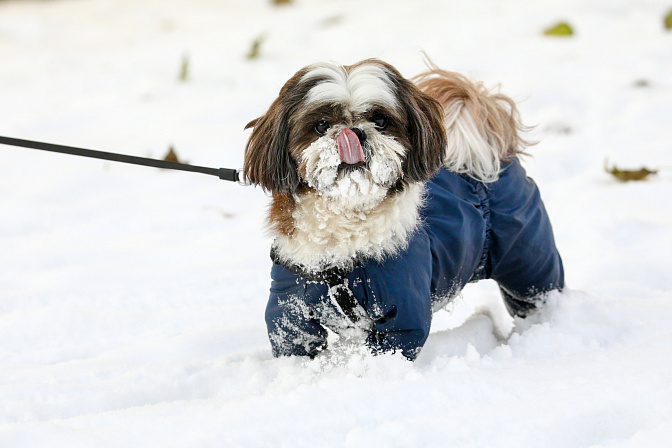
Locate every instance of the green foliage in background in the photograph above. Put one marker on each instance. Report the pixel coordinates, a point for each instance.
(561, 29)
(255, 47)
(184, 69)
(668, 20)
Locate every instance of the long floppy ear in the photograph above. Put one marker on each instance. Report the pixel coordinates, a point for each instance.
(428, 137)
(426, 132)
(268, 160)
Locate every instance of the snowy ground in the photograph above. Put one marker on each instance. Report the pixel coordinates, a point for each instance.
(132, 300)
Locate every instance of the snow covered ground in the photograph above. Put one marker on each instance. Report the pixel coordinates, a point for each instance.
(132, 299)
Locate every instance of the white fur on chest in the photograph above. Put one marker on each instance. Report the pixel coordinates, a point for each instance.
(326, 234)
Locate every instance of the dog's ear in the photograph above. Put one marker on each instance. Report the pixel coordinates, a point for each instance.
(426, 133)
(268, 160)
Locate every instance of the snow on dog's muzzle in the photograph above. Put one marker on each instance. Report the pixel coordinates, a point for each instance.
(349, 147)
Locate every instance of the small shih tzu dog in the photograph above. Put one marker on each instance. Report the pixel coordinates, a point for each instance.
(388, 196)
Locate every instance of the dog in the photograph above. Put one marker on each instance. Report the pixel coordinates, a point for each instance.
(389, 195)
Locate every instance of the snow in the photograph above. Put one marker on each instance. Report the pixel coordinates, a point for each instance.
(132, 299)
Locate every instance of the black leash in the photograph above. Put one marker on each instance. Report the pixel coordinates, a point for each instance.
(229, 174)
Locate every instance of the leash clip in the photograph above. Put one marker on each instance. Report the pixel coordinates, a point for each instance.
(241, 179)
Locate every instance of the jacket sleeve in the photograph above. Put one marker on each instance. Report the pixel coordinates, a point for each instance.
(290, 316)
(525, 261)
(396, 295)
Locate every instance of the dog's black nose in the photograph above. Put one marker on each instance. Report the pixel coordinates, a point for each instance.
(360, 135)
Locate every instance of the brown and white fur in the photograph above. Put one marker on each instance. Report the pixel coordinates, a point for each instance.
(345, 152)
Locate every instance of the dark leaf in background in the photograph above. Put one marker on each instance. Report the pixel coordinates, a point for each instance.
(171, 156)
(628, 175)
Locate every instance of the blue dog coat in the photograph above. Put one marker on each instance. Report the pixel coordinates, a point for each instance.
(470, 231)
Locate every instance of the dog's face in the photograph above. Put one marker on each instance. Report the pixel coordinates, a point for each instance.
(351, 134)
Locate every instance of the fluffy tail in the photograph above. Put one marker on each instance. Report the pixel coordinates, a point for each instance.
(482, 127)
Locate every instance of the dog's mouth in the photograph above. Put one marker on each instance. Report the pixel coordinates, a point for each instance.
(352, 168)
(346, 168)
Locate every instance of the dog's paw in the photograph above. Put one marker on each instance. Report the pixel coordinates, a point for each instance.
(538, 315)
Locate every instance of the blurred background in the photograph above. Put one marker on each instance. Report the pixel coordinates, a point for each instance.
(142, 76)
(132, 300)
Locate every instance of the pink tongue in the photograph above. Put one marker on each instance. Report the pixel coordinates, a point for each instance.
(349, 147)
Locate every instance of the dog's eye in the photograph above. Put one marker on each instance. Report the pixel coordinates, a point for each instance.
(321, 127)
(379, 121)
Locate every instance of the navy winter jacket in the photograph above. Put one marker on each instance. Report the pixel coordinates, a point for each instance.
(470, 231)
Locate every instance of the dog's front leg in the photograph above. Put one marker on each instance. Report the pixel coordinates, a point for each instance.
(293, 328)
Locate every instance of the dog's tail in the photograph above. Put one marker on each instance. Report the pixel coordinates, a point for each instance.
(483, 127)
